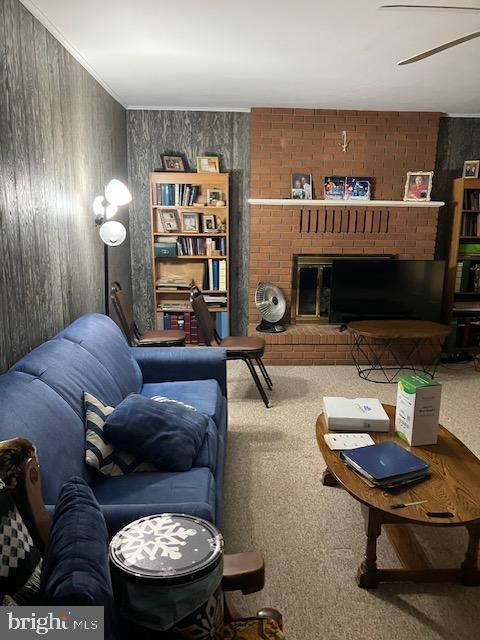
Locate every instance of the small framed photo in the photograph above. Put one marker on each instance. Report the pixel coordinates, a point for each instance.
(301, 186)
(190, 222)
(334, 187)
(169, 220)
(418, 186)
(208, 164)
(173, 163)
(208, 223)
(213, 196)
(471, 168)
(357, 188)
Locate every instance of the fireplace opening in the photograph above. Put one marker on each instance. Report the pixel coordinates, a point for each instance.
(312, 285)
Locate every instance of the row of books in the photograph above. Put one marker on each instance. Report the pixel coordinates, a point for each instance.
(169, 195)
(216, 300)
(466, 332)
(172, 283)
(215, 275)
(468, 276)
(471, 199)
(186, 321)
(470, 224)
(201, 246)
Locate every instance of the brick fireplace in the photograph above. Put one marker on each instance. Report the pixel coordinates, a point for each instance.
(383, 145)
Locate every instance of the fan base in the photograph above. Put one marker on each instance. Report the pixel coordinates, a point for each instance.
(270, 327)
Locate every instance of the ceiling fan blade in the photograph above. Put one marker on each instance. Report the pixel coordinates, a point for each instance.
(442, 47)
(430, 6)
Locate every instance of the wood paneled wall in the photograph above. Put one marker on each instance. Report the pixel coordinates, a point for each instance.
(192, 133)
(458, 140)
(62, 137)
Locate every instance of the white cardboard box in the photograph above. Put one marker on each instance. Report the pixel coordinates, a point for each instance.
(357, 414)
(418, 409)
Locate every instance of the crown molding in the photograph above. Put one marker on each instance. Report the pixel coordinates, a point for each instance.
(49, 26)
(135, 107)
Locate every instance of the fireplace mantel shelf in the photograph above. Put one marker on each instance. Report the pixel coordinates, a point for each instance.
(287, 202)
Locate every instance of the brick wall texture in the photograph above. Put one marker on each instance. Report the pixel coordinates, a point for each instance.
(382, 145)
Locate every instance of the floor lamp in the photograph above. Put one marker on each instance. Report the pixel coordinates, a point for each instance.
(112, 232)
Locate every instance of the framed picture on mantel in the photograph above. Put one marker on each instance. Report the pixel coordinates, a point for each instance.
(418, 186)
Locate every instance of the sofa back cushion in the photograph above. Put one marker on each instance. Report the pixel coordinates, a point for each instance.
(41, 397)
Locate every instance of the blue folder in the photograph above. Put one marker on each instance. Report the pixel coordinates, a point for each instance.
(384, 460)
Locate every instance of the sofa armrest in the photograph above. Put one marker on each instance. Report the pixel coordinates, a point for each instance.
(170, 364)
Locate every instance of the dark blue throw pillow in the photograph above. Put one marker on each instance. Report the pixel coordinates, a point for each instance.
(167, 434)
(76, 568)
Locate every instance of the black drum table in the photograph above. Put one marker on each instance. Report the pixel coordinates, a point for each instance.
(167, 572)
(382, 349)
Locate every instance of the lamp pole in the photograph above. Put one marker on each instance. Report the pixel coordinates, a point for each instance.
(112, 232)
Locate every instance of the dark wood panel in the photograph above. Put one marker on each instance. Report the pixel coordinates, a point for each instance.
(192, 133)
(62, 138)
(458, 140)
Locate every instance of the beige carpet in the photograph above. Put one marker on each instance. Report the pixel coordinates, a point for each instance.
(312, 536)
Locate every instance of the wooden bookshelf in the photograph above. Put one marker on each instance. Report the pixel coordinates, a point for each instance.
(188, 266)
(462, 300)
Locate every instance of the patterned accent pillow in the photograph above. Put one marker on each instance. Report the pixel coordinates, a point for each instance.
(20, 560)
(101, 455)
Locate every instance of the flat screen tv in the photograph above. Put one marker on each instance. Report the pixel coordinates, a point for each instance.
(377, 289)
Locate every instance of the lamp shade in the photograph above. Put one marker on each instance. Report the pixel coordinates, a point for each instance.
(117, 193)
(113, 233)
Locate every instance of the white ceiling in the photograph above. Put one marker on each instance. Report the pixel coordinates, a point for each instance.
(225, 54)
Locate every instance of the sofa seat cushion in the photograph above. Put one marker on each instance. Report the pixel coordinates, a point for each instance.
(204, 395)
(207, 455)
(153, 488)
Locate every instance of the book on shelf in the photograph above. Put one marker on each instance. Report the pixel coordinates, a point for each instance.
(214, 275)
(181, 320)
(174, 195)
(221, 324)
(174, 283)
(471, 199)
(191, 246)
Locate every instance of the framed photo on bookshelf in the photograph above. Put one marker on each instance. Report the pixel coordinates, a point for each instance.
(418, 186)
(208, 223)
(190, 222)
(213, 196)
(208, 164)
(169, 220)
(470, 168)
(173, 163)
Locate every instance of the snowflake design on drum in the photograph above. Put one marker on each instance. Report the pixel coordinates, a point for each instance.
(153, 538)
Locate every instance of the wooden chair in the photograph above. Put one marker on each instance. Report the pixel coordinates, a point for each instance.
(250, 349)
(170, 338)
(244, 572)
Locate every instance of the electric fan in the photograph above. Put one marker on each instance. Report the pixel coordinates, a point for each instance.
(270, 301)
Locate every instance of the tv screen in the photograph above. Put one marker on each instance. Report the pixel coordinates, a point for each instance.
(376, 289)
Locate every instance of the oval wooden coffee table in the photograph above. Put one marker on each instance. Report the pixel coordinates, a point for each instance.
(387, 347)
(454, 487)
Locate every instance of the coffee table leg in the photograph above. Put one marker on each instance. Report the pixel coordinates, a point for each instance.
(367, 576)
(470, 570)
(328, 480)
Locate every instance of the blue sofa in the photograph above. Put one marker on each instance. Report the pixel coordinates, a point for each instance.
(41, 398)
